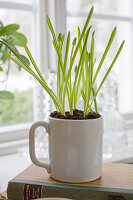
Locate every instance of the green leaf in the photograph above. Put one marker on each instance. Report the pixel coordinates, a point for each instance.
(95, 102)
(2, 48)
(56, 45)
(1, 24)
(89, 56)
(52, 31)
(109, 69)
(62, 40)
(67, 50)
(18, 67)
(59, 37)
(82, 34)
(74, 41)
(13, 49)
(4, 57)
(76, 49)
(33, 62)
(75, 69)
(1, 69)
(105, 54)
(91, 60)
(9, 29)
(9, 39)
(83, 96)
(24, 59)
(65, 59)
(19, 39)
(10, 46)
(80, 67)
(6, 95)
(15, 52)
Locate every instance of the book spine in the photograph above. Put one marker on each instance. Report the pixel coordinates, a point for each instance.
(21, 191)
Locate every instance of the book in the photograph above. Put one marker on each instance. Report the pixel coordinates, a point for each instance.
(115, 183)
(3, 196)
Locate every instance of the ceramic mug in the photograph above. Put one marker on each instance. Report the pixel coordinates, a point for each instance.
(75, 149)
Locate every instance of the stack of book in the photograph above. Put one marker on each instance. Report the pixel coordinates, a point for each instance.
(116, 183)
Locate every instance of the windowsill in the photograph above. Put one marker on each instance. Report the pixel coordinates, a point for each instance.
(12, 147)
(13, 137)
(14, 132)
(11, 166)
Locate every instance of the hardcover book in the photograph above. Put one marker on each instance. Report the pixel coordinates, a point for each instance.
(116, 183)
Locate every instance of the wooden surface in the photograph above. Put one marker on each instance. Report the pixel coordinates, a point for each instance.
(3, 196)
(114, 175)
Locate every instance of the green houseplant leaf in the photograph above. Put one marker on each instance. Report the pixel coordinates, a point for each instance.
(4, 57)
(13, 49)
(24, 59)
(19, 39)
(9, 29)
(1, 24)
(12, 38)
(6, 95)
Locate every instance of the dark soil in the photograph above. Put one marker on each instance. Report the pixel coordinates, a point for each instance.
(77, 115)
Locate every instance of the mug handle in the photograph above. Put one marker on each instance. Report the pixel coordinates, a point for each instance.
(32, 144)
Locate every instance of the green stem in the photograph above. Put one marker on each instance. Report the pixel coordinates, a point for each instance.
(76, 50)
(33, 62)
(79, 65)
(104, 54)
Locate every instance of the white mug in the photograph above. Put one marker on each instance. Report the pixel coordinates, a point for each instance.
(75, 149)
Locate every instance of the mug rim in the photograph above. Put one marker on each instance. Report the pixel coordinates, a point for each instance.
(75, 120)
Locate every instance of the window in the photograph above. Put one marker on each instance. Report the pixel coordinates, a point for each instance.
(19, 110)
(18, 114)
(107, 15)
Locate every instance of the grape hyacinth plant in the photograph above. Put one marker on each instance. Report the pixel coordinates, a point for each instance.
(84, 76)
